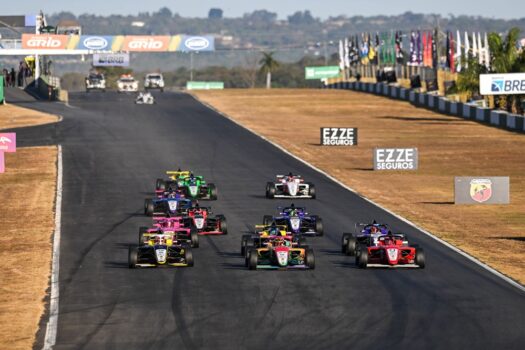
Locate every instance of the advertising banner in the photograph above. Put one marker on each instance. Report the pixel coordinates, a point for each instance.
(481, 190)
(395, 159)
(95, 42)
(2, 162)
(8, 142)
(111, 59)
(502, 84)
(322, 72)
(204, 85)
(145, 43)
(197, 43)
(44, 41)
(338, 136)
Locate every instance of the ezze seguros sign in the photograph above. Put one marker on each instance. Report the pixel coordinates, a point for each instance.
(395, 159)
(338, 136)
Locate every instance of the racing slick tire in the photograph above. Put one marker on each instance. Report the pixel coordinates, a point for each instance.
(349, 244)
(270, 190)
(361, 258)
(301, 242)
(319, 228)
(160, 185)
(252, 259)
(149, 207)
(309, 259)
(212, 191)
(420, 258)
(244, 243)
(142, 231)
(133, 257)
(311, 190)
(188, 256)
(267, 219)
(194, 238)
(223, 224)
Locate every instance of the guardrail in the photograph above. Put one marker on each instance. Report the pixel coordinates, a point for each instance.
(495, 118)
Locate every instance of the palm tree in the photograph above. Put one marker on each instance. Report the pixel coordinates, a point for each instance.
(268, 64)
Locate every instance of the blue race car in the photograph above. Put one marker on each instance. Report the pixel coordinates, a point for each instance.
(366, 234)
(172, 205)
(297, 220)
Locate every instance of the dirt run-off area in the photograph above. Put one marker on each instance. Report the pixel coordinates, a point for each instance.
(27, 190)
(447, 146)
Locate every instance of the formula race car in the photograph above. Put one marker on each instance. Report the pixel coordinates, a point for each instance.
(167, 206)
(297, 220)
(177, 226)
(264, 233)
(160, 250)
(144, 98)
(280, 253)
(390, 250)
(290, 186)
(206, 224)
(195, 187)
(175, 179)
(367, 234)
(127, 83)
(154, 81)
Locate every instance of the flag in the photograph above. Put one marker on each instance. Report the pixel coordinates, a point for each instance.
(341, 55)
(451, 53)
(458, 52)
(467, 50)
(347, 53)
(480, 48)
(372, 47)
(413, 55)
(364, 49)
(419, 48)
(399, 48)
(487, 53)
(474, 46)
(448, 49)
(434, 39)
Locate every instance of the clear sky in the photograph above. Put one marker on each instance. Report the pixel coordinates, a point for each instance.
(506, 9)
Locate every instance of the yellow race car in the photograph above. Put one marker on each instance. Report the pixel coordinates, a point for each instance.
(160, 249)
(174, 177)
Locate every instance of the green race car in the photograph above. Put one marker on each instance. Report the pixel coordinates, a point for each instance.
(194, 187)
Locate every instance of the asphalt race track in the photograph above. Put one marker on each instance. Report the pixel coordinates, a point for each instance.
(113, 152)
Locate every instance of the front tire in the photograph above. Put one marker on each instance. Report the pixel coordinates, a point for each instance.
(244, 243)
(420, 258)
(252, 259)
(212, 191)
(149, 207)
(362, 258)
(160, 185)
(311, 190)
(194, 237)
(133, 257)
(309, 259)
(188, 256)
(142, 231)
(270, 190)
(223, 224)
(319, 228)
(267, 220)
(349, 244)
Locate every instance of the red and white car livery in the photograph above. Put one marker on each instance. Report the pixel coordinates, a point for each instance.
(290, 186)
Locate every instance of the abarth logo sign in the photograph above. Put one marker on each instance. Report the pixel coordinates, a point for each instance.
(8, 142)
(5, 140)
(480, 190)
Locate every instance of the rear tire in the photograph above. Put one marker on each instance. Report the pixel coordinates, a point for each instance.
(160, 185)
(311, 190)
(142, 231)
(194, 237)
(188, 256)
(361, 259)
(267, 219)
(349, 244)
(301, 242)
(149, 207)
(319, 228)
(133, 256)
(252, 259)
(212, 191)
(223, 224)
(309, 259)
(244, 243)
(420, 258)
(270, 190)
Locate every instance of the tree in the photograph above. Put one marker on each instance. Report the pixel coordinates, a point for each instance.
(468, 79)
(268, 64)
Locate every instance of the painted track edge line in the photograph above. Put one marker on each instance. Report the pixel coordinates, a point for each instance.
(52, 325)
(445, 243)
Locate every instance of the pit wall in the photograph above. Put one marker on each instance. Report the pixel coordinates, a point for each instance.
(495, 118)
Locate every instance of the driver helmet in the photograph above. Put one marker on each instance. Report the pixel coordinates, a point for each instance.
(374, 229)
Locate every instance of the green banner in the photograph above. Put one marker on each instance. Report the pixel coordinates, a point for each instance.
(321, 72)
(1, 89)
(204, 85)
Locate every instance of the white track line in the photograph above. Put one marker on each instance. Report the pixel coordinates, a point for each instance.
(52, 325)
(456, 249)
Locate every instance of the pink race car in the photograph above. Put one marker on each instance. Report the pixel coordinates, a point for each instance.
(177, 226)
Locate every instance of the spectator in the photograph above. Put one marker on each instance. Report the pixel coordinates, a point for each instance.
(5, 73)
(13, 77)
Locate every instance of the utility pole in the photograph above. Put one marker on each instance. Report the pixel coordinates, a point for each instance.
(191, 65)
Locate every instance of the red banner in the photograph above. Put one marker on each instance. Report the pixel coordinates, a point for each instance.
(146, 43)
(44, 41)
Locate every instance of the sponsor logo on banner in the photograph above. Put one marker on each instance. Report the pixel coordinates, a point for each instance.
(502, 84)
(111, 59)
(2, 162)
(197, 43)
(395, 159)
(94, 42)
(8, 142)
(338, 136)
(146, 43)
(480, 190)
(54, 42)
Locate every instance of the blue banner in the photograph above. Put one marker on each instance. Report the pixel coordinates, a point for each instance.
(95, 42)
(197, 43)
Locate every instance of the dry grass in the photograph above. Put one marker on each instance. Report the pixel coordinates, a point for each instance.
(28, 192)
(447, 146)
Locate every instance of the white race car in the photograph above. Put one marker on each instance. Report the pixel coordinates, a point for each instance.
(145, 98)
(290, 186)
(127, 83)
(154, 81)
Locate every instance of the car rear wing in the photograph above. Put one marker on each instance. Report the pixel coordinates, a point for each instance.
(281, 227)
(281, 176)
(176, 174)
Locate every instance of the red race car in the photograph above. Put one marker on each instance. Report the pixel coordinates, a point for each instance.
(205, 223)
(390, 250)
